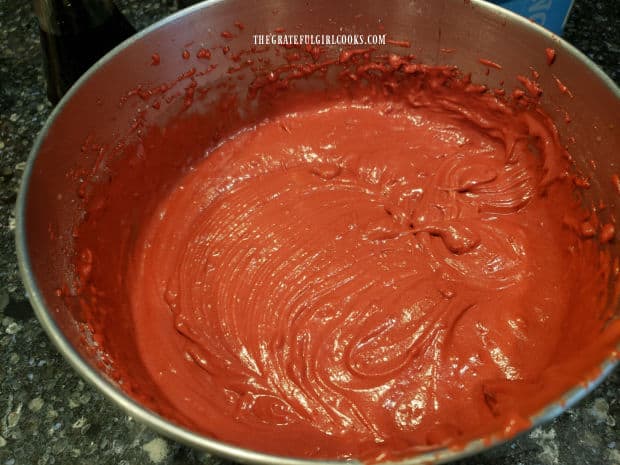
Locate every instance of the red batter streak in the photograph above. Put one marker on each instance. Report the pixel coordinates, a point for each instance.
(367, 273)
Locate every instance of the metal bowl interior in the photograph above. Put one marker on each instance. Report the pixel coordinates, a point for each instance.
(474, 29)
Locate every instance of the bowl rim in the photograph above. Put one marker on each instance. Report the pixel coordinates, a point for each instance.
(178, 433)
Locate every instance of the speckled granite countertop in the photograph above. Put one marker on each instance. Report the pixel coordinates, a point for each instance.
(48, 415)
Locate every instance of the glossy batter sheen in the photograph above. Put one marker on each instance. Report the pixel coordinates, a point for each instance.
(368, 274)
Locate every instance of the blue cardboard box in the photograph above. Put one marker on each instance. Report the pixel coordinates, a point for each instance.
(551, 14)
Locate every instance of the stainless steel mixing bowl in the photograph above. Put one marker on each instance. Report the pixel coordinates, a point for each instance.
(475, 29)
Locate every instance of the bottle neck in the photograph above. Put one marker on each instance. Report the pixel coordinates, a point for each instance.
(66, 16)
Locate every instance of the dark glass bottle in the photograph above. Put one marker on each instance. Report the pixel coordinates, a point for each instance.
(185, 3)
(74, 35)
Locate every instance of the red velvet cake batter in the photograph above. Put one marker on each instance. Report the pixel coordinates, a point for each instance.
(369, 273)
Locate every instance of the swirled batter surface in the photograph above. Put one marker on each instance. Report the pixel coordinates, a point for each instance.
(367, 273)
